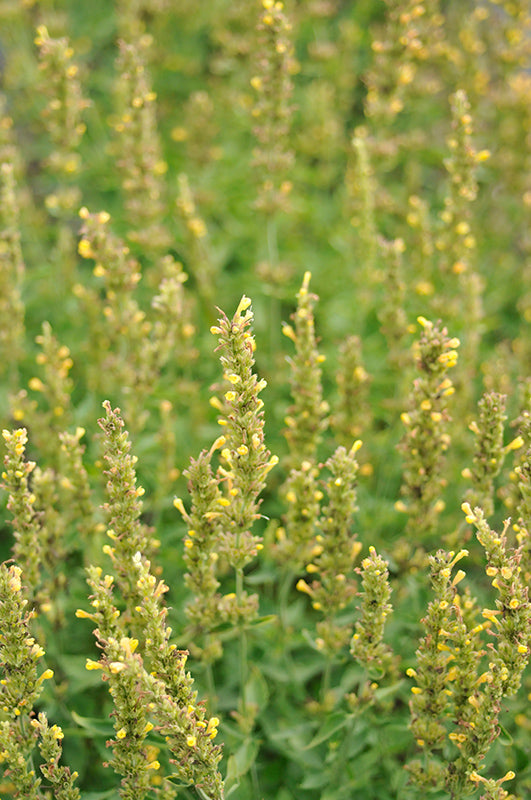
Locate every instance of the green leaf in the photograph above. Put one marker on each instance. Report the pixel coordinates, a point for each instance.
(316, 780)
(505, 737)
(258, 623)
(97, 727)
(256, 691)
(239, 764)
(333, 724)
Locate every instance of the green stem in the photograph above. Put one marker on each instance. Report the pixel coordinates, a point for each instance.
(283, 594)
(272, 241)
(243, 641)
(325, 683)
(340, 761)
(211, 686)
(272, 257)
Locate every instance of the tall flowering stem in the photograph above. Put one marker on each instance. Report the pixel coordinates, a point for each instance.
(512, 617)
(124, 330)
(334, 553)
(510, 623)
(60, 778)
(124, 507)
(361, 193)
(172, 327)
(26, 520)
(431, 694)
(74, 480)
(522, 499)
(137, 147)
(20, 686)
(352, 413)
(453, 688)
(63, 118)
(201, 557)
(425, 440)
(272, 111)
(225, 504)
(160, 699)
(489, 452)
(305, 421)
(130, 757)
(456, 242)
(412, 38)
(367, 645)
(391, 314)
(199, 258)
(11, 267)
(245, 460)
(131, 345)
(48, 416)
(296, 537)
(307, 417)
(55, 389)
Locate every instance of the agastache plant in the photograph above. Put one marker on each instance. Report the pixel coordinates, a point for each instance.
(226, 503)
(144, 671)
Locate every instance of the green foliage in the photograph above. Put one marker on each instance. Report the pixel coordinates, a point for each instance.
(274, 608)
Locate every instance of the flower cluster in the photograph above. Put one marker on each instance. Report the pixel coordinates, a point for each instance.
(138, 149)
(145, 673)
(120, 337)
(63, 117)
(54, 390)
(272, 82)
(426, 439)
(47, 410)
(391, 314)
(74, 481)
(511, 619)
(26, 520)
(367, 645)
(334, 553)
(352, 413)
(451, 679)
(489, 452)
(245, 461)
(11, 263)
(172, 326)
(411, 40)
(201, 556)
(124, 507)
(307, 416)
(199, 262)
(61, 779)
(161, 699)
(226, 504)
(306, 420)
(477, 715)
(20, 688)
(131, 348)
(456, 242)
(361, 193)
(431, 693)
(296, 536)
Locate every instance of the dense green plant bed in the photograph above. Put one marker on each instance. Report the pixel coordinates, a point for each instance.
(265, 292)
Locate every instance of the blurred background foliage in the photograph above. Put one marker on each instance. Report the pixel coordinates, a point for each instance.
(369, 156)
